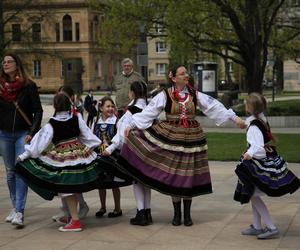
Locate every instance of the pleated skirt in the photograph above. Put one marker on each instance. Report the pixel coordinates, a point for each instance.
(270, 175)
(168, 158)
(47, 180)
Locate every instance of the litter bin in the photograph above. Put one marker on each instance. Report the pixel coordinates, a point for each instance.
(205, 78)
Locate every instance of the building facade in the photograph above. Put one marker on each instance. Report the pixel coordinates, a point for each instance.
(158, 60)
(60, 45)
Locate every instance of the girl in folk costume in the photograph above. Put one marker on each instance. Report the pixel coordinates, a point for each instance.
(261, 170)
(105, 129)
(171, 155)
(138, 96)
(61, 160)
(83, 210)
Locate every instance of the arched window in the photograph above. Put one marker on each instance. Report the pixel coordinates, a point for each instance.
(67, 28)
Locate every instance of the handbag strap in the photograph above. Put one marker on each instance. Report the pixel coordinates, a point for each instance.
(22, 113)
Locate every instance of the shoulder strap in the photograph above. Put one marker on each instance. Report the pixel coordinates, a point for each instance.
(169, 100)
(263, 127)
(133, 109)
(22, 113)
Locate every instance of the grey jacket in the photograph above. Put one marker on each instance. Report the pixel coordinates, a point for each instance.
(122, 85)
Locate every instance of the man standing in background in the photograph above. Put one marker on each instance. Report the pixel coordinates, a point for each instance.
(122, 84)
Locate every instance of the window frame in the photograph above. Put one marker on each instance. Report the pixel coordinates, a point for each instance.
(160, 49)
(158, 69)
(37, 68)
(36, 32)
(16, 32)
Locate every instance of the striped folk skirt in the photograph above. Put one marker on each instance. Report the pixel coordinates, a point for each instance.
(168, 158)
(68, 167)
(270, 175)
(47, 181)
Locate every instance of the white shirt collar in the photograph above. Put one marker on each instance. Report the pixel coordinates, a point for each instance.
(140, 103)
(62, 116)
(252, 117)
(183, 91)
(109, 120)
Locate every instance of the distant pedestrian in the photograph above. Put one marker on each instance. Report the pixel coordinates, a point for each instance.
(92, 113)
(261, 170)
(88, 102)
(122, 84)
(79, 104)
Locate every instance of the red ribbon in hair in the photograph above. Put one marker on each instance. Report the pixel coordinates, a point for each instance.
(270, 135)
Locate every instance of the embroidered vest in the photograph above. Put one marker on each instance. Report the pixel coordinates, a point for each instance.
(64, 130)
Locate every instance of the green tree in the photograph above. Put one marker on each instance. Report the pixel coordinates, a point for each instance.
(236, 30)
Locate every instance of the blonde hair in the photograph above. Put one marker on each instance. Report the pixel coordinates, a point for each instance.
(256, 104)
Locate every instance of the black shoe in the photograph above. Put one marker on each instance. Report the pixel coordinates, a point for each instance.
(140, 218)
(149, 216)
(100, 213)
(187, 213)
(177, 214)
(114, 214)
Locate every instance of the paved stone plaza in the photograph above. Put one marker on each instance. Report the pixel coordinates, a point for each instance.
(218, 221)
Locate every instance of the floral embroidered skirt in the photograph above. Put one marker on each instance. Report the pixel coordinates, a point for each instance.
(68, 167)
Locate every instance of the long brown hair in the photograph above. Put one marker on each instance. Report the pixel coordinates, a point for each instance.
(20, 68)
(256, 104)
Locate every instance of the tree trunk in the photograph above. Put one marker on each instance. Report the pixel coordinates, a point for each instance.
(279, 74)
(254, 76)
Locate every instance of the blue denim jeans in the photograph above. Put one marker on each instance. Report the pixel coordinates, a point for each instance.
(12, 145)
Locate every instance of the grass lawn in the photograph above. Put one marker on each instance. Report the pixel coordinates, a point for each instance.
(229, 146)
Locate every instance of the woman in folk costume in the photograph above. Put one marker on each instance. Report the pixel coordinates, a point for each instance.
(60, 159)
(171, 155)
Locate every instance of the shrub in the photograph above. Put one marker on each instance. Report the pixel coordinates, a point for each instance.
(277, 108)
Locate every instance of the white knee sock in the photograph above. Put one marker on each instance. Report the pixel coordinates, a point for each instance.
(147, 198)
(139, 195)
(263, 211)
(256, 217)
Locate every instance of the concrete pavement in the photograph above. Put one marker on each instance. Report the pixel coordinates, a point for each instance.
(218, 221)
